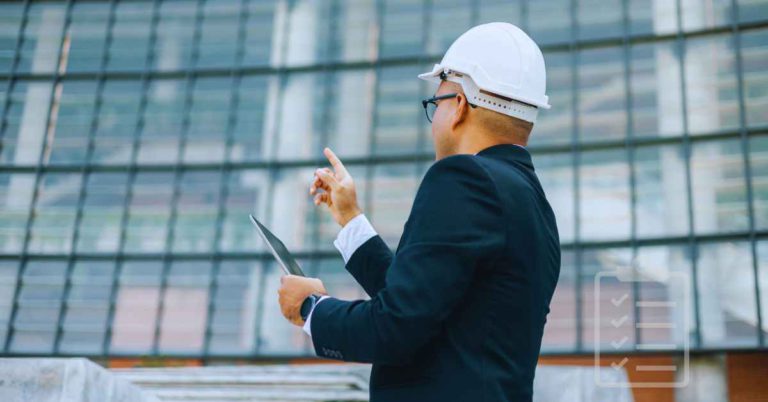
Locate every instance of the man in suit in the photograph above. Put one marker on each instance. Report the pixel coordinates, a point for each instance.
(457, 312)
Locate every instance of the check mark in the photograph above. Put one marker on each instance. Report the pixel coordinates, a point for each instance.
(617, 302)
(620, 343)
(620, 365)
(620, 321)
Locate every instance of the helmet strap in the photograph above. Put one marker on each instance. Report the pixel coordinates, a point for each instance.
(486, 99)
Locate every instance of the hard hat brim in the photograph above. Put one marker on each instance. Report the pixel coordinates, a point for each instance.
(434, 76)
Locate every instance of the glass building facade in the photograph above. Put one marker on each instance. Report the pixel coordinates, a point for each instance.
(136, 136)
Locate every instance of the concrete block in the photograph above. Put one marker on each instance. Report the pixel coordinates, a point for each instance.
(64, 380)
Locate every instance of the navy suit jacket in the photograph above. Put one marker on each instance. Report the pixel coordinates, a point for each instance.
(458, 311)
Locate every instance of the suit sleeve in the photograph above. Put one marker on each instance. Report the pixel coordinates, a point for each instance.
(369, 263)
(455, 224)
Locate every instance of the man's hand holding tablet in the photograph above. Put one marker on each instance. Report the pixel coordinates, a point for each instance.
(293, 290)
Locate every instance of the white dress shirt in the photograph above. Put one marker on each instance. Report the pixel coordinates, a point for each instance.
(356, 232)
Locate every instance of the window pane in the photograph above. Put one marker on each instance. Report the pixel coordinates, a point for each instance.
(349, 105)
(219, 34)
(88, 33)
(754, 53)
(149, 212)
(163, 126)
(175, 35)
(136, 307)
(8, 281)
(55, 212)
(555, 171)
(727, 304)
(551, 21)
(661, 297)
(257, 96)
(16, 191)
(130, 42)
(247, 193)
(652, 17)
(277, 335)
(11, 15)
(356, 30)
(602, 110)
(450, 19)
(398, 111)
(118, 122)
(560, 328)
(42, 38)
(74, 117)
(661, 206)
(185, 307)
(102, 212)
(500, 10)
(196, 212)
(762, 274)
(719, 187)
(259, 32)
(303, 116)
(38, 306)
(705, 14)
(710, 80)
(555, 126)
(402, 27)
(307, 37)
(599, 19)
(208, 120)
(612, 287)
(24, 130)
(85, 318)
(234, 327)
(604, 190)
(758, 159)
(752, 10)
(656, 102)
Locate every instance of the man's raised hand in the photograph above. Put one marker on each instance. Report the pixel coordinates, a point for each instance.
(338, 190)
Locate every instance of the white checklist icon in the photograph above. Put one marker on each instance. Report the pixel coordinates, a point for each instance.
(614, 328)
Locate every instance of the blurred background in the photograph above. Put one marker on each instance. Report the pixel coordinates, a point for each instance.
(136, 136)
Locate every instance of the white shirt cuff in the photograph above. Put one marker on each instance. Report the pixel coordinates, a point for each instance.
(307, 327)
(356, 232)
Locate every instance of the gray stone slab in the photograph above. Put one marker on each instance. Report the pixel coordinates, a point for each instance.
(342, 382)
(64, 380)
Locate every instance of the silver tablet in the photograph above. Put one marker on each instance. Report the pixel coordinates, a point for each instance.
(281, 253)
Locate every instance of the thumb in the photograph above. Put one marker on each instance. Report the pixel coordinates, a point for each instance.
(328, 179)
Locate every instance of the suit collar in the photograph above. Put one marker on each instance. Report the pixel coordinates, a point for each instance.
(513, 152)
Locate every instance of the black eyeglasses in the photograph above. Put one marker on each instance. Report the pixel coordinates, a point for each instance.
(430, 105)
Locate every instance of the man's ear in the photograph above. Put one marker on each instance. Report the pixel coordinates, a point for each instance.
(461, 111)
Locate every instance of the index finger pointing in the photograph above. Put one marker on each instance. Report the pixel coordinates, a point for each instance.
(335, 161)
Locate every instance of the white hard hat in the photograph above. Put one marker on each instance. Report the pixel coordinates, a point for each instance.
(499, 68)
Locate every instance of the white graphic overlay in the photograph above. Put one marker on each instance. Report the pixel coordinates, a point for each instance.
(615, 327)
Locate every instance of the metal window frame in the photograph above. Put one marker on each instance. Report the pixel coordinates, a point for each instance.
(331, 66)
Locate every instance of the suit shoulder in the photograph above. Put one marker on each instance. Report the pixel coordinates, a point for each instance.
(460, 165)
(507, 175)
(459, 177)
